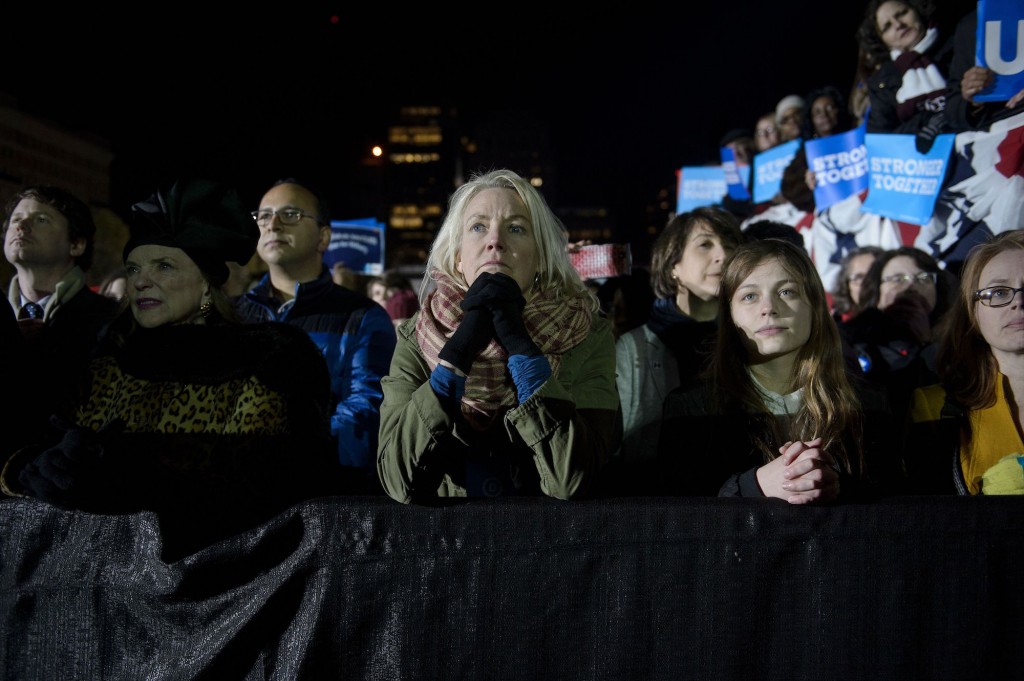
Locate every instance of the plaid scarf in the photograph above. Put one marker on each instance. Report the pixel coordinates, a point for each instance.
(555, 325)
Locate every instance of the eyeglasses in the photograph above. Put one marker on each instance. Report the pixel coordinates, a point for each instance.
(923, 278)
(792, 118)
(766, 131)
(857, 279)
(287, 216)
(997, 296)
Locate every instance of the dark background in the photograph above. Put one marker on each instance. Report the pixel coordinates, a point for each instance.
(253, 93)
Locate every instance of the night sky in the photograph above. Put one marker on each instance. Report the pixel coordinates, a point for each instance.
(629, 96)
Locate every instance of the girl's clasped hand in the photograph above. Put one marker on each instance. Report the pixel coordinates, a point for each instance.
(803, 473)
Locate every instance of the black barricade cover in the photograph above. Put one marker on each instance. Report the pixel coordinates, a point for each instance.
(366, 588)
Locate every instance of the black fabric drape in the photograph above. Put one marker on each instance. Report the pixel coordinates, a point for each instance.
(657, 588)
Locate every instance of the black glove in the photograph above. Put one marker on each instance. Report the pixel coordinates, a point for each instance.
(506, 301)
(61, 474)
(926, 135)
(477, 296)
(474, 333)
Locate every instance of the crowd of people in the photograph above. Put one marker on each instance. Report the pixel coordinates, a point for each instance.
(916, 76)
(739, 370)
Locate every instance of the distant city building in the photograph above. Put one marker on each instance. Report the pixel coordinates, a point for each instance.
(34, 151)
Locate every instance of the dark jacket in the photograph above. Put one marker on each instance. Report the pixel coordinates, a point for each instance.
(58, 350)
(961, 114)
(932, 443)
(356, 337)
(702, 452)
(215, 428)
(885, 83)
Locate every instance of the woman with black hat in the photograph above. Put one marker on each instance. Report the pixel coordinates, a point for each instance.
(215, 425)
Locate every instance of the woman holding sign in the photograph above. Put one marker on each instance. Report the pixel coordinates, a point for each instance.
(907, 93)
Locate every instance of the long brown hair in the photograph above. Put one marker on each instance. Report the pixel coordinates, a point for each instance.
(831, 409)
(966, 366)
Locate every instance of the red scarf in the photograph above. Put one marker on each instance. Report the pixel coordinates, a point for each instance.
(555, 325)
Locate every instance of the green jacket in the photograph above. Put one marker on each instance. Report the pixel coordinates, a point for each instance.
(554, 443)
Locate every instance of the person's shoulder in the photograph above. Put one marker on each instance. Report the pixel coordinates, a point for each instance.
(884, 76)
(633, 338)
(350, 299)
(269, 332)
(689, 398)
(87, 301)
(601, 327)
(407, 329)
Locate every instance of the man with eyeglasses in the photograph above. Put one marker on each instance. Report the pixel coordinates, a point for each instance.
(354, 333)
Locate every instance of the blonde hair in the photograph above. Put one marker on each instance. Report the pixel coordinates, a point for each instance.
(556, 274)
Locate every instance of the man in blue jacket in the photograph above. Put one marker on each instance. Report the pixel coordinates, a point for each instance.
(354, 333)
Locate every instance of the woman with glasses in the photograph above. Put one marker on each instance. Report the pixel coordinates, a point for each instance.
(778, 411)
(904, 297)
(966, 436)
(766, 133)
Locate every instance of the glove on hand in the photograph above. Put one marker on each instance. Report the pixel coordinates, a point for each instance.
(926, 136)
(474, 333)
(910, 313)
(59, 474)
(477, 295)
(506, 301)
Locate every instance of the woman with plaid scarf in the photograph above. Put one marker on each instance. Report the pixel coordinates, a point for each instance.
(503, 383)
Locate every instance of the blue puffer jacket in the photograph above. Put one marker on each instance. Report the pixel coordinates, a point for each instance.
(356, 337)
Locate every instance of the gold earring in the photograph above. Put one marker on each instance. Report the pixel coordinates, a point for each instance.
(205, 309)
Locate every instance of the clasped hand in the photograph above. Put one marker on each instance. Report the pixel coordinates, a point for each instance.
(493, 308)
(60, 474)
(802, 474)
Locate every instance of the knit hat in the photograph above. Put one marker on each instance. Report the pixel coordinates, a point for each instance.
(787, 103)
(205, 219)
(402, 304)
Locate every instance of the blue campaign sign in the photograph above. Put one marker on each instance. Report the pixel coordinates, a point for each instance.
(840, 166)
(904, 183)
(999, 45)
(359, 244)
(700, 186)
(768, 168)
(736, 176)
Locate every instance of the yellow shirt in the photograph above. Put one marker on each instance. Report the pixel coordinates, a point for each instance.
(994, 431)
(995, 435)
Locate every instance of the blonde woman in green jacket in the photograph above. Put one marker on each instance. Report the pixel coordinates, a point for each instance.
(504, 382)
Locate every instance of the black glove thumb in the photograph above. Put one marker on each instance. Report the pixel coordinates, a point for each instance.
(475, 331)
(926, 135)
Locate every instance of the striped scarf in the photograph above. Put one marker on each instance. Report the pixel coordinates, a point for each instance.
(555, 325)
(923, 87)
